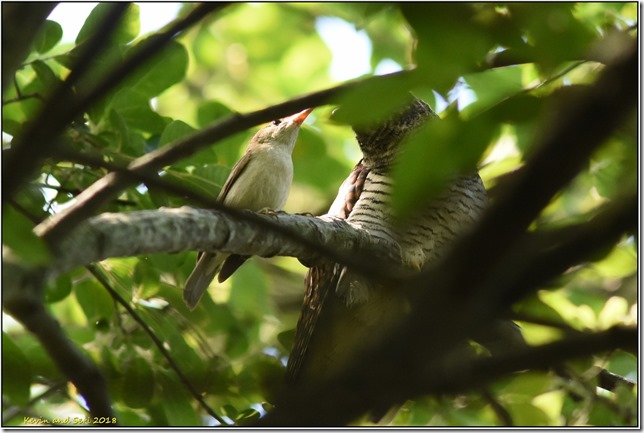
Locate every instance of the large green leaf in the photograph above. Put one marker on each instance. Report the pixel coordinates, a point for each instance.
(450, 40)
(435, 154)
(134, 107)
(48, 36)
(373, 101)
(165, 69)
(127, 29)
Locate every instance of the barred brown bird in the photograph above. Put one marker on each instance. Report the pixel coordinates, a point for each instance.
(343, 312)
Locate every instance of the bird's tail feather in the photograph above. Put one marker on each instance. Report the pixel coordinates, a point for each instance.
(230, 265)
(202, 275)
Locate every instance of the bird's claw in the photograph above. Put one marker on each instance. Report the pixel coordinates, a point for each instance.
(268, 211)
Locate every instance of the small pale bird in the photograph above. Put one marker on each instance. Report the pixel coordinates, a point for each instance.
(342, 311)
(260, 180)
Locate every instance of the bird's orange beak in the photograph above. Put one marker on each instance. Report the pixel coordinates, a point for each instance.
(299, 117)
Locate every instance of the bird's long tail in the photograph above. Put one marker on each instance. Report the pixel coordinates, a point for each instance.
(197, 283)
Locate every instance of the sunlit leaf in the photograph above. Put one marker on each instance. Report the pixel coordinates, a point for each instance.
(613, 313)
(127, 29)
(134, 108)
(438, 152)
(48, 36)
(162, 71)
(58, 290)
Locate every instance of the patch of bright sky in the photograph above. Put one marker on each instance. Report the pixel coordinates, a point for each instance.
(462, 94)
(351, 49)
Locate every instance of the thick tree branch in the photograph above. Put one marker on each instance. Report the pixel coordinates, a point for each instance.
(186, 228)
(360, 263)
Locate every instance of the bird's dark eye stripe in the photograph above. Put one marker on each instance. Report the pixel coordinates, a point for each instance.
(277, 122)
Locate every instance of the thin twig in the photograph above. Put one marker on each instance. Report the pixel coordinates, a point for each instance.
(157, 342)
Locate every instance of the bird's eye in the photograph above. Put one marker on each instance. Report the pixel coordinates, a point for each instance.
(276, 122)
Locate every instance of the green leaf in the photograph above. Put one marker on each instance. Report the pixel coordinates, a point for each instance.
(247, 416)
(162, 71)
(134, 108)
(138, 382)
(48, 36)
(623, 363)
(526, 385)
(614, 312)
(96, 303)
(313, 165)
(492, 86)
(128, 29)
(619, 263)
(372, 101)
(19, 236)
(526, 414)
(10, 126)
(211, 177)
(174, 131)
(211, 111)
(450, 40)
(16, 372)
(196, 182)
(433, 155)
(58, 290)
(45, 74)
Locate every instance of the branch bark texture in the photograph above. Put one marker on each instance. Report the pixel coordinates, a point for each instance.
(171, 230)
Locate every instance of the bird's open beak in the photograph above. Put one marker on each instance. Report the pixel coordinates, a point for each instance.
(299, 117)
